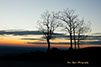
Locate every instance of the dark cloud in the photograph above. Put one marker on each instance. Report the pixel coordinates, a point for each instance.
(96, 33)
(56, 35)
(24, 33)
(29, 39)
(82, 43)
(94, 43)
(93, 38)
(20, 33)
(68, 38)
(32, 39)
(46, 43)
(53, 43)
(64, 37)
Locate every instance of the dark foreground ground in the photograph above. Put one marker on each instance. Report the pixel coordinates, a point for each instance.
(38, 64)
(56, 58)
(27, 64)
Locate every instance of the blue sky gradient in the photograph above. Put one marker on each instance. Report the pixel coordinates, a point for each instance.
(23, 14)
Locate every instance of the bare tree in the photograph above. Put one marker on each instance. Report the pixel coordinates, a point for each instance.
(47, 25)
(74, 26)
(68, 18)
(82, 31)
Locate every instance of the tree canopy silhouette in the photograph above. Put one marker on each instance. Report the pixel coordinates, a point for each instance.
(68, 18)
(69, 21)
(73, 25)
(81, 31)
(47, 25)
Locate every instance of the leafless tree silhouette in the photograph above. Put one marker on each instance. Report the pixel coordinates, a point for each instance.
(82, 31)
(72, 24)
(75, 26)
(47, 25)
(69, 19)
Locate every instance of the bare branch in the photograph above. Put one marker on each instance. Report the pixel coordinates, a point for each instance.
(48, 25)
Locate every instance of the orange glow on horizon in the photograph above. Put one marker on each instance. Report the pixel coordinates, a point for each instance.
(10, 40)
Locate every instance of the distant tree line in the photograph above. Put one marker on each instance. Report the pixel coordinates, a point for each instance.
(68, 21)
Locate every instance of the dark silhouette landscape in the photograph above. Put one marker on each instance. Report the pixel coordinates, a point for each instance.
(90, 56)
(58, 37)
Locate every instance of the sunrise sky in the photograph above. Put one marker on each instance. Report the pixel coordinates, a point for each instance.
(23, 39)
(24, 14)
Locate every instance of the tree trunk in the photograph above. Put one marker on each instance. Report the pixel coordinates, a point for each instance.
(78, 44)
(78, 41)
(71, 35)
(71, 39)
(48, 41)
(74, 38)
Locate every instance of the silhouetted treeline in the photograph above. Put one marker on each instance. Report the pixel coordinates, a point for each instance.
(65, 20)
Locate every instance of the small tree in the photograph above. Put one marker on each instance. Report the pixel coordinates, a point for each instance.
(68, 18)
(81, 31)
(74, 26)
(47, 25)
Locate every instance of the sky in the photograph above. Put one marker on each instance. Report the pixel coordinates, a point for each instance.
(27, 39)
(24, 14)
